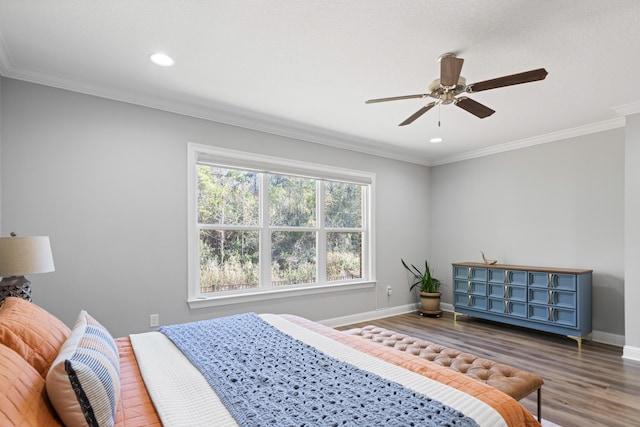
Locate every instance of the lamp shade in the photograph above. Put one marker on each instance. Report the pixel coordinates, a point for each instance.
(25, 255)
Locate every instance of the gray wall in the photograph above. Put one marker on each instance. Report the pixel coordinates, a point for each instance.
(107, 182)
(632, 237)
(554, 205)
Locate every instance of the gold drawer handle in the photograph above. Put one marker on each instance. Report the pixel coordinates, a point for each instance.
(552, 313)
(550, 298)
(506, 307)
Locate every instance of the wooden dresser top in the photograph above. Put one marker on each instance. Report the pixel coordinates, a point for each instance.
(523, 267)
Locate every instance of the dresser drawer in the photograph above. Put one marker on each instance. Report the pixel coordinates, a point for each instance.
(470, 273)
(552, 314)
(500, 275)
(470, 301)
(510, 308)
(511, 292)
(470, 287)
(552, 297)
(565, 282)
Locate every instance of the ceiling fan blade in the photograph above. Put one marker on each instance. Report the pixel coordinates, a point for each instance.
(450, 69)
(474, 107)
(510, 80)
(396, 98)
(418, 114)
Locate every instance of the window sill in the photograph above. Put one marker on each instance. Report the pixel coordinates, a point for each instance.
(275, 294)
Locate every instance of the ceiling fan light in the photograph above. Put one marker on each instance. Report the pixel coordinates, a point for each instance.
(161, 59)
(436, 140)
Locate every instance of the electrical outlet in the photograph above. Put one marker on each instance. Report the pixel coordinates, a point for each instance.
(389, 290)
(154, 320)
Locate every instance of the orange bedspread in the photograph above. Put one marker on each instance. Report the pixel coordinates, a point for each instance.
(515, 414)
(135, 408)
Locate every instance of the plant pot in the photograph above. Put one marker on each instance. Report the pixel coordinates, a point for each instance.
(430, 304)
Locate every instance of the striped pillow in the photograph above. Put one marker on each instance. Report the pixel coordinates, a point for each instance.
(83, 383)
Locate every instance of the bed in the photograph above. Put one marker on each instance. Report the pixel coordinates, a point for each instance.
(266, 369)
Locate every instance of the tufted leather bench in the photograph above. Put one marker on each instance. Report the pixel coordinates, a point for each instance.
(514, 382)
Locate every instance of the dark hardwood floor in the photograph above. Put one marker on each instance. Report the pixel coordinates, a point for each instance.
(592, 387)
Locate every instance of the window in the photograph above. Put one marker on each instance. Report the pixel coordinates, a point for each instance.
(261, 224)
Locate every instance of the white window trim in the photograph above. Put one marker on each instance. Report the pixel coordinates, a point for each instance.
(199, 152)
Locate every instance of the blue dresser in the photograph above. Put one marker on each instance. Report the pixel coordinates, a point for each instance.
(556, 300)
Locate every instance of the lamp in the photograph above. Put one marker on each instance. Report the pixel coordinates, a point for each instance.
(20, 256)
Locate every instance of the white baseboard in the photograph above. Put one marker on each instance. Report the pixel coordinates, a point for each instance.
(370, 315)
(597, 336)
(631, 353)
(377, 314)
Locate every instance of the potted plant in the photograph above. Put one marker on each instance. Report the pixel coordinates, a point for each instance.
(428, 286)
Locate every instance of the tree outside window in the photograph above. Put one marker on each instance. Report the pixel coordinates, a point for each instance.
(307, 230)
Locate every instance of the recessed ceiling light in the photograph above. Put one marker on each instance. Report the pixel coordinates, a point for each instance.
(161, 59)
(436, 140)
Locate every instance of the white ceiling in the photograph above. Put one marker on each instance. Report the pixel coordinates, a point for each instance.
(304, 68)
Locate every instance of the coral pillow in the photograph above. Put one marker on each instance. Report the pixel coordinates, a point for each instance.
(24, 399)
(32, 332)
(83, 383)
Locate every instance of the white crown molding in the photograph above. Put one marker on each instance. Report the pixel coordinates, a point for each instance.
(536, 140)
(217, 113)
(263, 123)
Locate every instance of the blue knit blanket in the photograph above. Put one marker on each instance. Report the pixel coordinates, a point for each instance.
(266, 378)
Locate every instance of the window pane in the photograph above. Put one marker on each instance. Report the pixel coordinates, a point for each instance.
(228, 260)
(293, 258)
(227, 196)
(344, 256)
(292, 201)
(343, 204)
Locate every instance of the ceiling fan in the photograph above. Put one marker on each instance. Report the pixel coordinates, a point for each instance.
(451, 84)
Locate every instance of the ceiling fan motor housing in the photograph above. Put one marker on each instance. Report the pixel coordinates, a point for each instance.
(444, 93)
